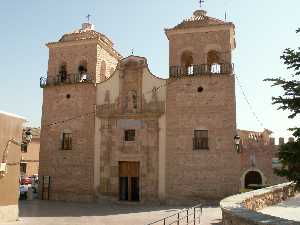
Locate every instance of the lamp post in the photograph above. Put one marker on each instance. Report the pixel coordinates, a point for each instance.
(25, 142)
(237, 140)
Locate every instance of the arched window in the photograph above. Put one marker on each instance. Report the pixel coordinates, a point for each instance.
(187, 62)
(63, 72)
(82, 68)
(103, 71)
(213, 62)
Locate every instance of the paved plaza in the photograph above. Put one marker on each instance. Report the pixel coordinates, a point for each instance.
(63, 213)
(289, 209)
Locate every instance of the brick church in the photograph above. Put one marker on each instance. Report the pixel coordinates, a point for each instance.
(112, 130)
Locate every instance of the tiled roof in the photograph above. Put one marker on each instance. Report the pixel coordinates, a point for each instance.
(199, 19)
(85, 34)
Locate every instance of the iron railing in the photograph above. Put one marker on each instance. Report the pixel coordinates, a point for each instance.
(65, 79)
(202, 69)
(200, 143)
(183, 217)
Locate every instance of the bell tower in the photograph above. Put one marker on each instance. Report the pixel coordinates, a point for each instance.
(77, 62)
(201, 110)
(200, 44)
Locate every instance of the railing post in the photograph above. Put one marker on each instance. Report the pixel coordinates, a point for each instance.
(195, 216)
(187, 216)
(164, 221)
(177, 218)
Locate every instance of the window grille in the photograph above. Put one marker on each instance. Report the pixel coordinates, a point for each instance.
(67, 141)
(129, 135)
(200, 140)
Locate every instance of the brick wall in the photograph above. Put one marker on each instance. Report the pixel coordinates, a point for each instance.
(201, 174)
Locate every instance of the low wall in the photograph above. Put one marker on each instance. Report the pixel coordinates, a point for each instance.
(241, 209)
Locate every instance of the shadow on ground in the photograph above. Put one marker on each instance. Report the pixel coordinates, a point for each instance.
(39, 208)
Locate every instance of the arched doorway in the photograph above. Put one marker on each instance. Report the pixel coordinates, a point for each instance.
(252, 178)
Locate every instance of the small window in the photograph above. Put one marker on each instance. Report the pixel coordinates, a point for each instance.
(129, 135)
(200, 140)
(23, 167)
(67, 141)
(24, 147)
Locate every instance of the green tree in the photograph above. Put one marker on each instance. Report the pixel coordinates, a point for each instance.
(289, 153)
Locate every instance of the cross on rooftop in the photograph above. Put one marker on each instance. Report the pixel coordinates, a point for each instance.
(88, 17)
(201, 3)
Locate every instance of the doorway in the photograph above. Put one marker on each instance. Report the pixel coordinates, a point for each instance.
(252, 178)
(129, 187)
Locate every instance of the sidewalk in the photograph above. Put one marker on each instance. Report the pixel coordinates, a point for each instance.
(65, 213)
(289, 209)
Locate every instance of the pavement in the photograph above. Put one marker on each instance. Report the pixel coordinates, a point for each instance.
(289, 209)
(65, 213)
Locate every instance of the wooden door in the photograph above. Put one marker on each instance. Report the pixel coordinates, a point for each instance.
(129, 181)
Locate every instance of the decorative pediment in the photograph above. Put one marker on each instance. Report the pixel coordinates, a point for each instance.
(132, 62)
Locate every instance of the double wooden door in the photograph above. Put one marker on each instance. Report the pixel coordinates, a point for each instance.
(129, 188)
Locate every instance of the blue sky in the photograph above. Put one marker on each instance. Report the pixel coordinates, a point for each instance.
(263, 29)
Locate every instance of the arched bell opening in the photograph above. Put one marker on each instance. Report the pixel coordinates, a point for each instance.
(187, 62)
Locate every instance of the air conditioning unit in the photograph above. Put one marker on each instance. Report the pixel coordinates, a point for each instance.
(3, 167)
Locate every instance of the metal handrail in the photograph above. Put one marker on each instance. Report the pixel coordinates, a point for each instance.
(180, 217)
(201, 69)
(65, 79)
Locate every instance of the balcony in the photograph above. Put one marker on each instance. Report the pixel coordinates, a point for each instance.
(202, 69)
(62, 79)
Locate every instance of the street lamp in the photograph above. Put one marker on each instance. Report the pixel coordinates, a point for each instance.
(237, 140)
(26, 139)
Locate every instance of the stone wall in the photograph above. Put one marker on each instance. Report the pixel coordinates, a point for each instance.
(241, 209)
(117, 113)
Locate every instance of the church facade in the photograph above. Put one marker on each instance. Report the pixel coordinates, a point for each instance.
(113, 130)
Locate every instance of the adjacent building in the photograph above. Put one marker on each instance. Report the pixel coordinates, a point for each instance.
(11, 127)
(29, 164)
(258, 159)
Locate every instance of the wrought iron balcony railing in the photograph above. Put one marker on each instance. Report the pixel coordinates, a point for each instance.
(65, 79)
(202, 69)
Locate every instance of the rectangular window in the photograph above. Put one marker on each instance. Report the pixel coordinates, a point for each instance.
(200, 140)
(67, 141)
(23, 167)
(24, 147)
(129, 135)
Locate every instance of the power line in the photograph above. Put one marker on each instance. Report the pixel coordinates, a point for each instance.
(248, 102)
(159, 88)
(94, 112)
